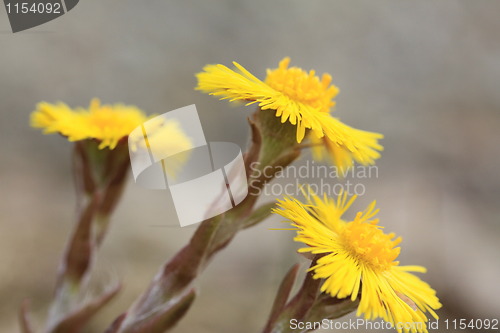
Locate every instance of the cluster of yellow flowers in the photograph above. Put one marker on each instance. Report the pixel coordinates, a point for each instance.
(355, 258)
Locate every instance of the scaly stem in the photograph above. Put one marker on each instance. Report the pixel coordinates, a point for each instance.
(99, 180)
(308, 305)
(273, 148)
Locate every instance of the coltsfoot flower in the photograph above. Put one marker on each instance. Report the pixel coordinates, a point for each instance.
(300, 98)
(108, 124)
(357, 259)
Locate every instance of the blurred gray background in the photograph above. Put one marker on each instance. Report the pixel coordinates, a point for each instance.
(424, 73)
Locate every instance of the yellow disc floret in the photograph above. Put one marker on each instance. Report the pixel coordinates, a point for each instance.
(368, 244)
(303, 87)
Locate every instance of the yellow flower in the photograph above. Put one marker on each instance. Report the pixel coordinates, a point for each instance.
(106, 123)
(302, 99)
(357, 256)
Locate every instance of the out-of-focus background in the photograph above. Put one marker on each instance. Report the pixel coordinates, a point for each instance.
(424, 73)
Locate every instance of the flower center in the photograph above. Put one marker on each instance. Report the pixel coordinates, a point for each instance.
(367, 243)
(109, 118)
(303, 87)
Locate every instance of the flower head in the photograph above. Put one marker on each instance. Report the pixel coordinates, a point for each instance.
(106, 123)
(302, 99)
(357, 256)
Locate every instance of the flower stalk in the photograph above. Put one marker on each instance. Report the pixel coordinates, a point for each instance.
(273, 146)
(308, 305)
(99, 176)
